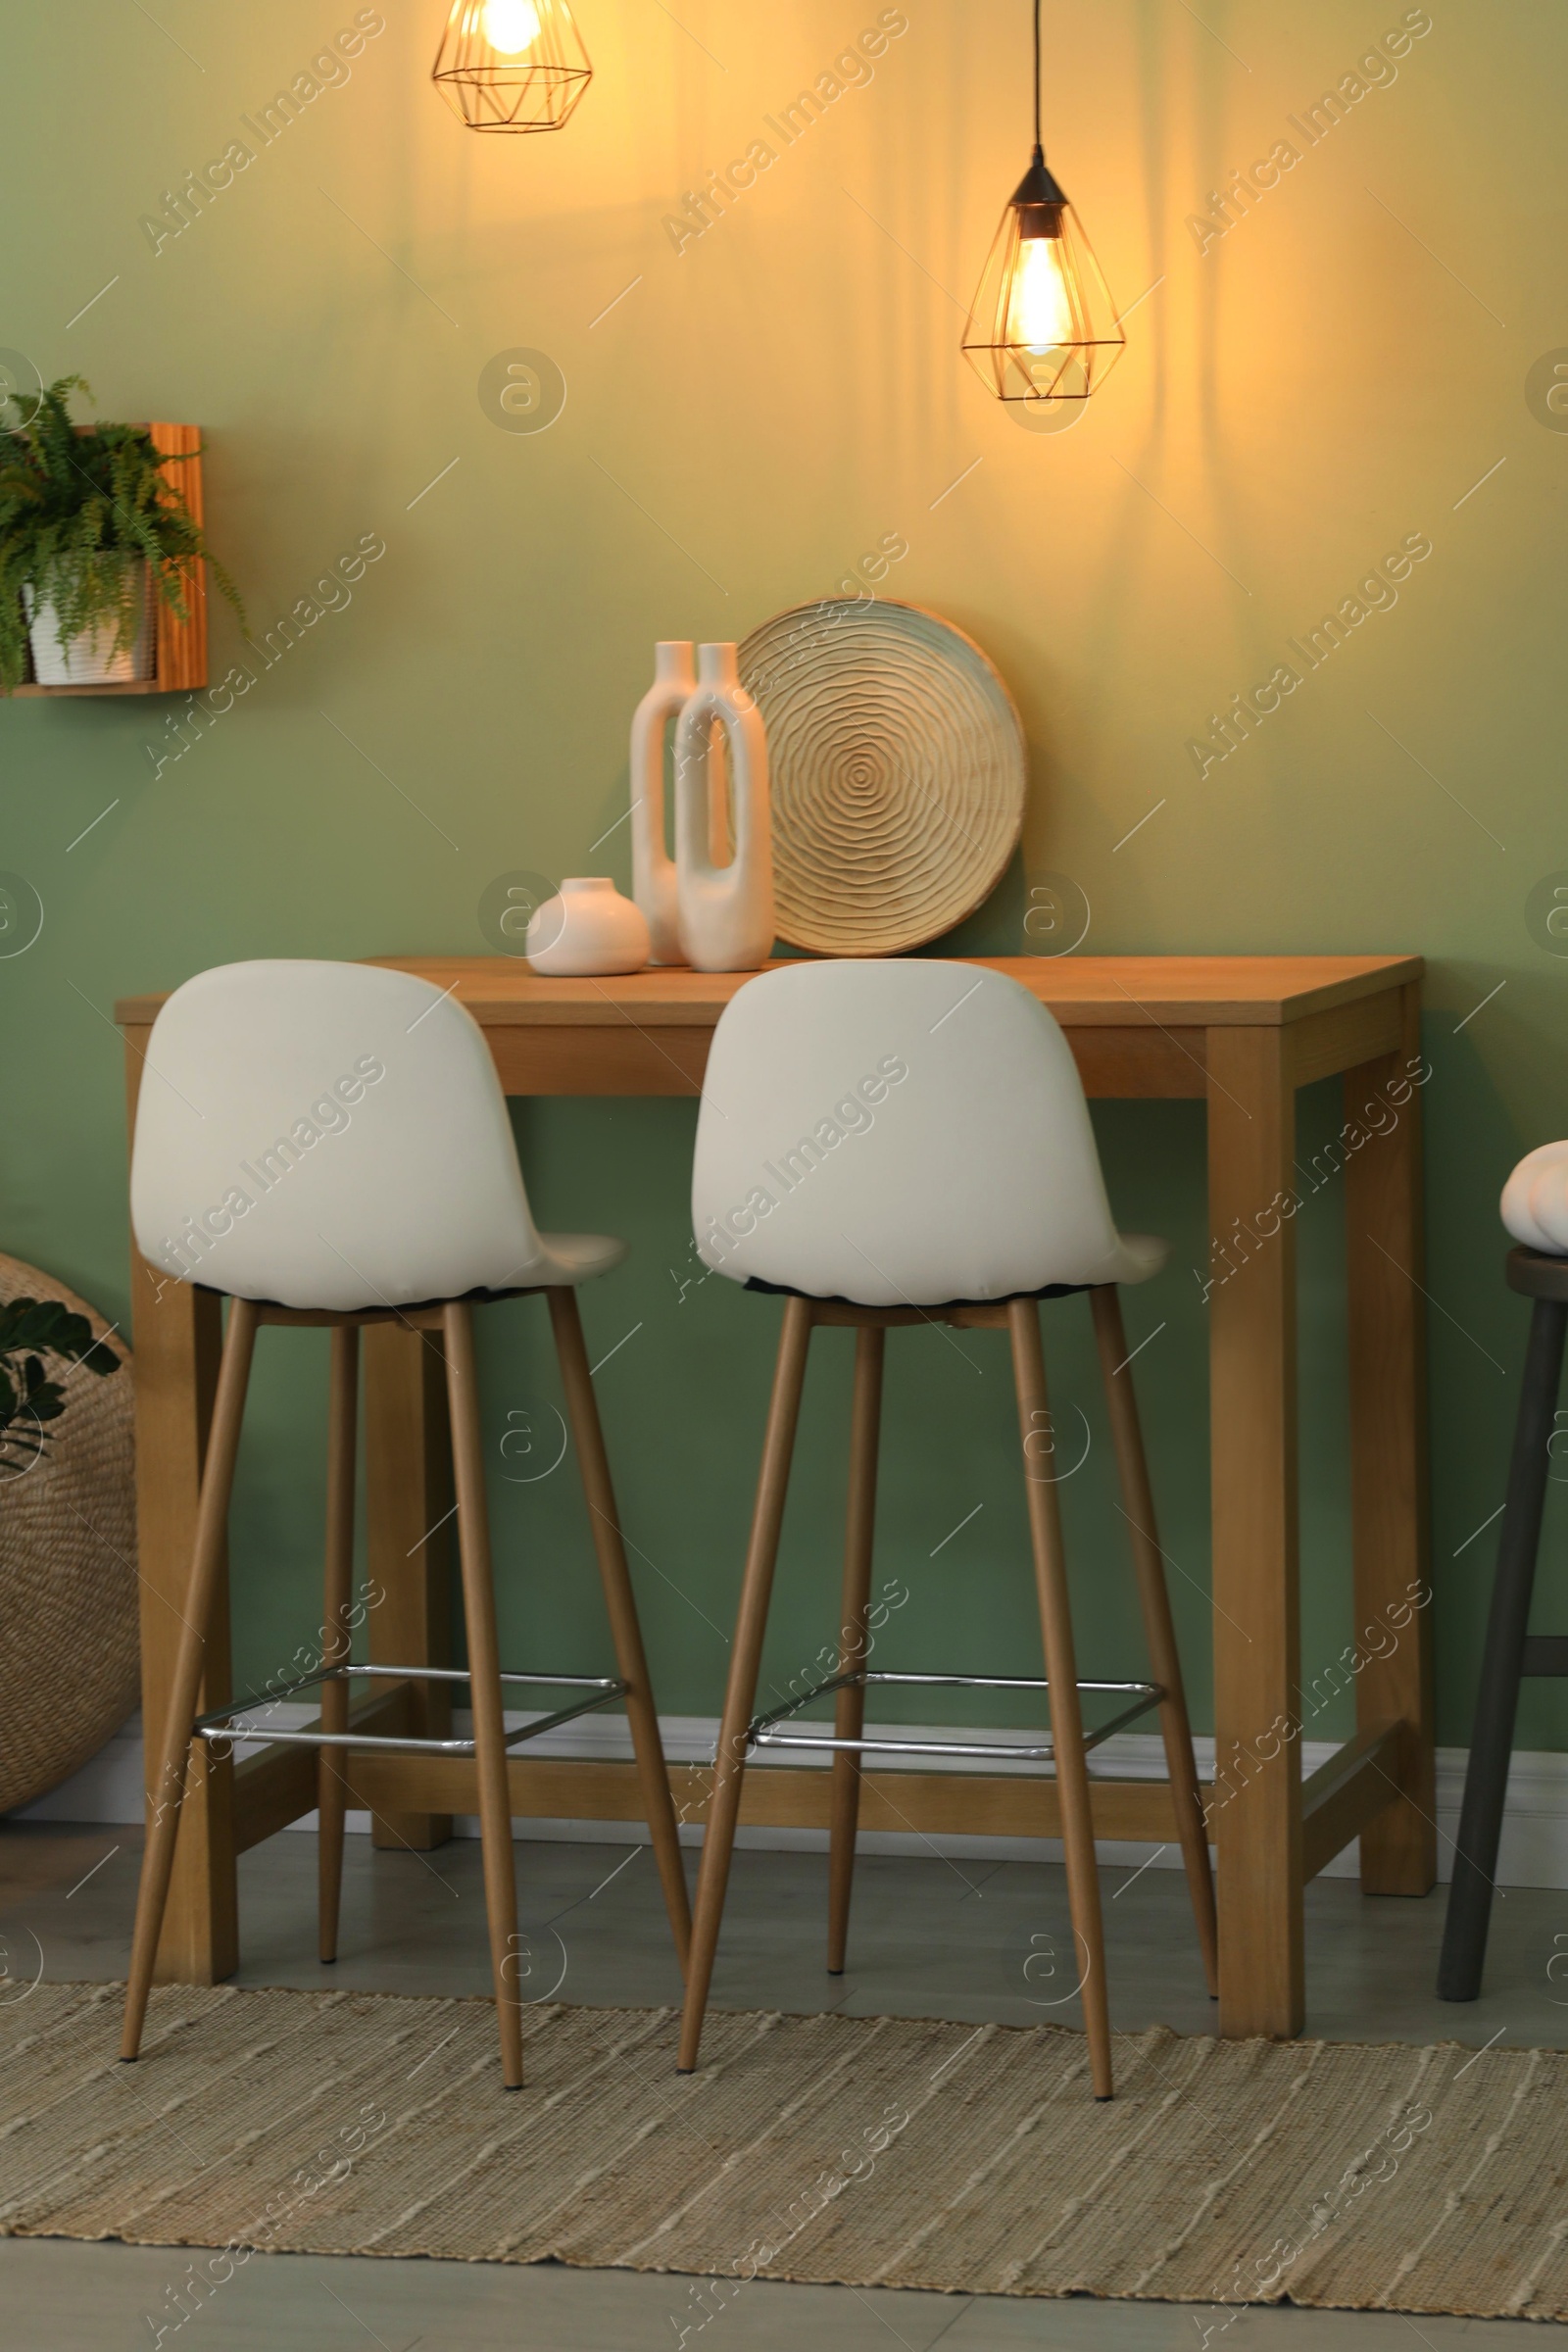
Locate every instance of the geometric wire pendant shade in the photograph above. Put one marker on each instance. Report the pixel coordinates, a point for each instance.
(512, 65)
(1042, 326)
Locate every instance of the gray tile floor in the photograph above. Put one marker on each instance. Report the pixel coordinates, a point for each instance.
(969, 1940)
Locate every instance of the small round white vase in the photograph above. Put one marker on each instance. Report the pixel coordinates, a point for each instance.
(588, 928)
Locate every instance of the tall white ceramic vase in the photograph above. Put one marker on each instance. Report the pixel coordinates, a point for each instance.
(727, 912)
(653, 869)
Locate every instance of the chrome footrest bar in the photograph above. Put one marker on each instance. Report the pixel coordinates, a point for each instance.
(1009, 1751)
(221, 1723)
(763, 1731)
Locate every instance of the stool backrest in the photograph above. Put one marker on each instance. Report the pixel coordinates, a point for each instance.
(325, 1135)
(898, 1132)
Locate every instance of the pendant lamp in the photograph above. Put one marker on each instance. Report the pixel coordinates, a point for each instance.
(512, 65)
(1042, 326)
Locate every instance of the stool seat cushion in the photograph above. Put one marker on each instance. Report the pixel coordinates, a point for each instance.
(1145, 1255)
(1535, 1201)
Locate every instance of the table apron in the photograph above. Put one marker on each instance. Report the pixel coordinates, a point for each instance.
(1138, 1063)
(1134, 1061)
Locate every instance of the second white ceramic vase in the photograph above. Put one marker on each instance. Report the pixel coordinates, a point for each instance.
(588, 927)
(725, 911)
(653, 869)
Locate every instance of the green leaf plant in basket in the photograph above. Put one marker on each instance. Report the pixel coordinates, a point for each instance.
(29, 1330)
(92, 530)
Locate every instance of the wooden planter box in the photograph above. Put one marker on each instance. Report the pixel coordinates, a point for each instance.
(182, 663)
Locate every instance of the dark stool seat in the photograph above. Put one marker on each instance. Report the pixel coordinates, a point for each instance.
(1512, 1652)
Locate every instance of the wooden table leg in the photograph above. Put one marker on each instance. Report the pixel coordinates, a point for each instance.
(1389, 1483)
(407, 1511)
(178, 1337)
(1256, 1814)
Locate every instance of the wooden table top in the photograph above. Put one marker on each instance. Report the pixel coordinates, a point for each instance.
(1082, 991)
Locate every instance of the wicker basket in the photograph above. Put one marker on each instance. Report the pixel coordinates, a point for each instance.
(69, 1651)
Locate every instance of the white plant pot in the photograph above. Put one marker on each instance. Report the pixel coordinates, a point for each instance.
(91, 659)
(589, 927)
(727, 912)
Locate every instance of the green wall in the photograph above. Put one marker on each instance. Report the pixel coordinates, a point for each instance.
(1329, 377)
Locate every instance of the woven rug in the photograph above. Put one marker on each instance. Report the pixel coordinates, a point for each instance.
(863, 2152)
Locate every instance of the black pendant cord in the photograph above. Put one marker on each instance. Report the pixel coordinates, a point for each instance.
(1038, 149)
(1038, 187)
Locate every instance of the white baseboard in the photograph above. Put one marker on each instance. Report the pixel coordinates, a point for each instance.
(1534, 1831)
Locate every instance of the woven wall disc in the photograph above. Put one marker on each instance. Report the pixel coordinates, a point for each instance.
(69, 1651)
(898, 773)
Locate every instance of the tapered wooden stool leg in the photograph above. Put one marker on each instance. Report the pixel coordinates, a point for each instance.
(484, 1682)
(1159, 1632)
(331, 1789)
(865, 1424)
(165, 1793)
(750, 1624)
(1061, 1672)
(620, 1602)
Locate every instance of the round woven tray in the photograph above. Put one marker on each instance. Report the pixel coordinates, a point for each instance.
(69, 1650)
(897, 768)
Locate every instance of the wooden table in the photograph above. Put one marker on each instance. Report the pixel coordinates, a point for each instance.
(1239, 1033)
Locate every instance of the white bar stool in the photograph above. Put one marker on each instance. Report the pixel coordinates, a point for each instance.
(899, 1143)
(327, 1144)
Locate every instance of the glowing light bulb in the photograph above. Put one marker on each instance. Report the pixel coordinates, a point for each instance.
(511, 25)
(1040, 313)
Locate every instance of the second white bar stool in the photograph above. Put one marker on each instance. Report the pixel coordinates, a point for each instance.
(329, 1144)
(904, 1142)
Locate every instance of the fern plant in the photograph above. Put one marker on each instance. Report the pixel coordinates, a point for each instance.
(77, 511)
(29, 1330)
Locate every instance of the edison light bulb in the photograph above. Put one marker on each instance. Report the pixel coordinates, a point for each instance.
(511, 25)
(1040, 314)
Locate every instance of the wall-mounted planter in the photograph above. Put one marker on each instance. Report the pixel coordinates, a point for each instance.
(181, 652)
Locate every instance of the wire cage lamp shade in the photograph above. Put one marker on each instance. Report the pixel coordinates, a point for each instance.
(512, 65)
(1043, 324)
